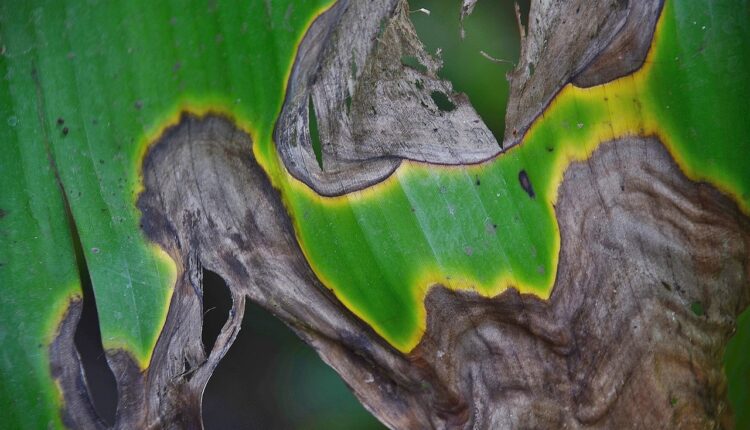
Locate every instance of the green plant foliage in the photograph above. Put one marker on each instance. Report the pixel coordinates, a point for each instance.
(88, 85)
(38, 271)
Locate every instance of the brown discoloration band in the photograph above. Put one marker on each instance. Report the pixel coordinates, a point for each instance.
(610, 349)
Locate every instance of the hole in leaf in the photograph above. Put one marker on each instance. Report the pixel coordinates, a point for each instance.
(217, 303)
(523, 7)
(442, 101)
(102, 386)
(314, 133)
(270, 379)
(413, 62)
(491, 29)
(697, 308)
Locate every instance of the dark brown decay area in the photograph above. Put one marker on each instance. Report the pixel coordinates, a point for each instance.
(616, 346)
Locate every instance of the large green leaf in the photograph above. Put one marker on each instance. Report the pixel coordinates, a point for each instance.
(38, 271)
(88, 85)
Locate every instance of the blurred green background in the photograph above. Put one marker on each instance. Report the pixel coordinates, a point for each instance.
(270, 379)
(491, 29)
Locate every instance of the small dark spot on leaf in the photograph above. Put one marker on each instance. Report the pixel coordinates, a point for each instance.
(666, 286)
(60, 121)
(477, 181)
(550, 149)
(65, 131)
(523, 178)
(490, 227)
(95, 250)
(138, 104)
(3, 213)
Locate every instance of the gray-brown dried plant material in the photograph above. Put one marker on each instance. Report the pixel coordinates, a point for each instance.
(587, 42)
(616, 345)
(373, 88)
(467, 8)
